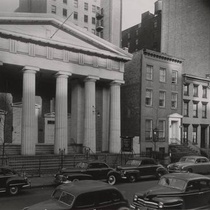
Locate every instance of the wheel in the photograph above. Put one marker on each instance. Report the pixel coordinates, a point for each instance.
(112, 179)
(13, 190)
(75, 180)
(132, 178)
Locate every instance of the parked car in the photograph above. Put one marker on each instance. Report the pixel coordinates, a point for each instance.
(193, 164)
(85, 194)
(135, 169)
(11, 182)
(85, 170)
(176, 191)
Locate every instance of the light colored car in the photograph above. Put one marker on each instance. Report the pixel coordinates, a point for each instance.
(192, 164)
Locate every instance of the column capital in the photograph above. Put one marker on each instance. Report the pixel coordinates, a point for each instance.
(63, 74)
(117, 82)
(91, 78)
(32, 69)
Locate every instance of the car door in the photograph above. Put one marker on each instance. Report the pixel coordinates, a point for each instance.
(192, 198)
(201, 166)
(146, 168)
(204, 192)
(94, 170)
(103, 170)
(3, 180)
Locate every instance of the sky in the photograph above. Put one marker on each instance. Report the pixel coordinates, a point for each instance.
(131, 11)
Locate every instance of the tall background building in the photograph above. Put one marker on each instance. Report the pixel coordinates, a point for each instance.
(100, 17)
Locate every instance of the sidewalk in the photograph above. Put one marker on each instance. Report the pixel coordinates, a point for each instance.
(43, 181)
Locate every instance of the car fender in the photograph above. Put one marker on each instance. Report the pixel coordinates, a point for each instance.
(170, 202)
(115, 173)
(15, 181)
(136, 172)
(79, 175)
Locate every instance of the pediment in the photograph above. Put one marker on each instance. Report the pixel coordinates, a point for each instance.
(175, 115)
(49, 29)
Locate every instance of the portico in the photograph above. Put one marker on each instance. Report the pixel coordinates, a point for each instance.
(71, 77)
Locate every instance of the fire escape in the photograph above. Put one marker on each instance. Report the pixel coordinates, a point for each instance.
(99, 23)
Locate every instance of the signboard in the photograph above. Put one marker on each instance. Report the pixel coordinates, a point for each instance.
(126, 144)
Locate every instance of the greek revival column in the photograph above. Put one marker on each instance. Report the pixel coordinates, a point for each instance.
(61, 113)
(28, 132)
(90, 113)
(114, 139)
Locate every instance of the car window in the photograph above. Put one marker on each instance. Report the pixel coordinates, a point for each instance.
(204, 185)
(86, 200)
(102, 165)
(93, 165)
(66, 198)
(203, 160)
(193, 186)
(81, 165)
(172, 183)
(187, 159)
(133, 162)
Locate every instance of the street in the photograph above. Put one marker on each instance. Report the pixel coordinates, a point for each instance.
(31, 196)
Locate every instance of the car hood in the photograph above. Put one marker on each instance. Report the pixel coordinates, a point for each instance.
(179, 164)
(159, 191)
(50, 204)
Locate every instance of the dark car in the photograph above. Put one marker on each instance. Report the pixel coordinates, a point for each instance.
(11, 182)
(85, 170)
(84, 195)
(137, 168)
(176, 191)
(192, 163)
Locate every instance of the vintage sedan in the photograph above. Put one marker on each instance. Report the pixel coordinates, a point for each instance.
(85, 170)
(192, 164)
(135, 169)
(86, 195)
(176, 191)
(11, 182)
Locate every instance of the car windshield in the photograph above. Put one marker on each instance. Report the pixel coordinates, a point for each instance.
(172, 183)
(187, 159)
(82, 165)
(63, 197)
(133, 162)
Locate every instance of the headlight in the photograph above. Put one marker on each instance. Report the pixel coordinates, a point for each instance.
(160, 205)
(135, 198)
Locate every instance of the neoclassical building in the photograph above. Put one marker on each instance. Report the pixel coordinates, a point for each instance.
(59, 85)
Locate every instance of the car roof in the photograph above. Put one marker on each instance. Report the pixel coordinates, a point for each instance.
(141, 158)
(85, 186)
(186, 176)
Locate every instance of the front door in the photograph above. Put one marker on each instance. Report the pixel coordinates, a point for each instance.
(174, 132)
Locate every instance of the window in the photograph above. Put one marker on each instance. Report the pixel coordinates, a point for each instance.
(195, 109)
(93, 20)
(75, 15)
(174, 97)
(204, 110)
(162, 130)
(148, 151)
(76, 3)
(148, 130)
(195, 134)
(85, 18)
(204, 92)
(186, 89)
(149, 72)
(65, 12)
(53, 9)
(162, 75)
(174, 77)
(93, 8)
(149, 97)
(162, 96)
(85, 6)
(65, 1)
(195, 90)
(186, 108)
(185, 133)
(137, 41)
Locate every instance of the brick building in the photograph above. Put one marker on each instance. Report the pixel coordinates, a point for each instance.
(152, 99)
